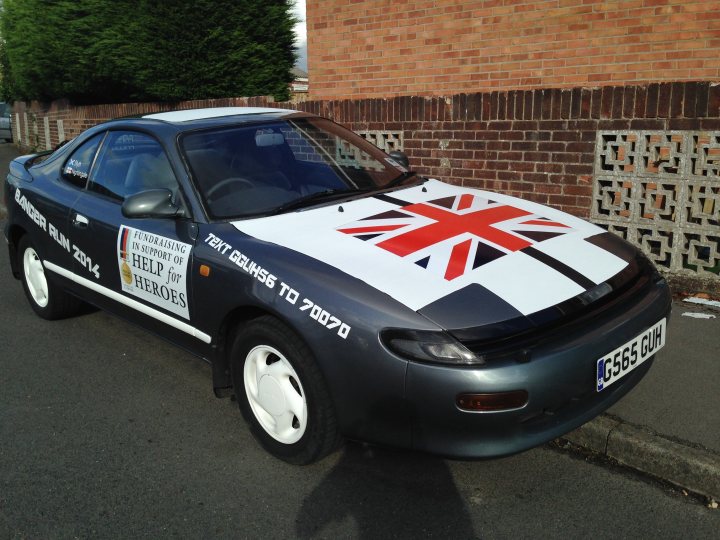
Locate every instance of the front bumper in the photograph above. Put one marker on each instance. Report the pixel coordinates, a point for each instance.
(559, 378)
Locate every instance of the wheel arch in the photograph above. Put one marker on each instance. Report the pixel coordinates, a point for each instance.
(14, 234)
(239, 315)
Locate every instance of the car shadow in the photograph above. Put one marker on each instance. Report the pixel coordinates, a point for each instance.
(86, 309)
(386, 493)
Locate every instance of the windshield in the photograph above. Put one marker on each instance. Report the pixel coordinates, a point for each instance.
(256, 169)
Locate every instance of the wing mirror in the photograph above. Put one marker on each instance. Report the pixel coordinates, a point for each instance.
(401, 158)
(153, 203)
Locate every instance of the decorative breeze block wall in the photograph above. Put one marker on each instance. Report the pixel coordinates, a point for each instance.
(661, 191)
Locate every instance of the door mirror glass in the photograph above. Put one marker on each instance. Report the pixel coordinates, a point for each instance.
(153, 203)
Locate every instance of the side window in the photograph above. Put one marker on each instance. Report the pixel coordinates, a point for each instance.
(77, 168)
(130, 162)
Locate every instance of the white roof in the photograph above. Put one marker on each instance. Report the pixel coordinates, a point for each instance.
(214, 112)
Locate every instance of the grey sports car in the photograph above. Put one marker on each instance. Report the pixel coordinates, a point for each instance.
(336, 293)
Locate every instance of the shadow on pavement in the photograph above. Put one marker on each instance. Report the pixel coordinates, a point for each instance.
(385, 493)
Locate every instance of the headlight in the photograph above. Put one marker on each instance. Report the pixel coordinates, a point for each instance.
(427, 346)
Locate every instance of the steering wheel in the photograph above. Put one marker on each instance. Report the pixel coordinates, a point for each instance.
(244, 182)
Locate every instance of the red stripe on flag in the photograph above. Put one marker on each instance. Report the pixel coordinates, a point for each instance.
(448, 225)
(123, 243)
(458, 260)
(466, 201)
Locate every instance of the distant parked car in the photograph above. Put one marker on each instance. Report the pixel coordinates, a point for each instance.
(335, 292)
(5, 122)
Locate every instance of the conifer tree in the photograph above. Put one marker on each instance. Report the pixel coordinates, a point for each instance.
(93, 51)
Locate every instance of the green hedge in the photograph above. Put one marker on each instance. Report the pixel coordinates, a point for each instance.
(93, 51)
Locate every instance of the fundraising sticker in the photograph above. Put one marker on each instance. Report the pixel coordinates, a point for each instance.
(154, 268)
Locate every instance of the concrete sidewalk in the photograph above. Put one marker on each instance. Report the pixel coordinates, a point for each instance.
(669, 425)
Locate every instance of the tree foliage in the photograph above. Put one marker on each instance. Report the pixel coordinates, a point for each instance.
(94, 51)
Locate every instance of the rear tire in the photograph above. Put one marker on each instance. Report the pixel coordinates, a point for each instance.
(281, 392)
(47, 299)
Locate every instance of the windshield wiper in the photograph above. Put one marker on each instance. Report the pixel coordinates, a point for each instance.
(312, 198)
(399, 179)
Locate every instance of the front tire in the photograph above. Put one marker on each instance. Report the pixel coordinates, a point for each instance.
(47, 299)
(281, 392)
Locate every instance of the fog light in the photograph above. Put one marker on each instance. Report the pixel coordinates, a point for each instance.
(500, 401)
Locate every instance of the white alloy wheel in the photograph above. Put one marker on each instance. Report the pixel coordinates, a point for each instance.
(35, 277)
(275, 394)
(285, 401)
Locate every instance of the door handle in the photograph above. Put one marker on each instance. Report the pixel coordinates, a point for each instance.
(80, 221)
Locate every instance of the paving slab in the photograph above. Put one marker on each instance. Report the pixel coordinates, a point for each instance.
(680, 396)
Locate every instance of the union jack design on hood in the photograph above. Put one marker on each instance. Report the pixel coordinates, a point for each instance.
(453, 235)
(426, 242)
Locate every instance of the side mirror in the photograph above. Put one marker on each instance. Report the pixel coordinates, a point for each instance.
(401, 158)
(60, 144)
(153, 203)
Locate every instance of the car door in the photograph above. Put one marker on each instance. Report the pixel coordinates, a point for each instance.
(135, 267)
(50, 197)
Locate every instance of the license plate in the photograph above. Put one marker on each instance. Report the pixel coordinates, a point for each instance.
(615, 365)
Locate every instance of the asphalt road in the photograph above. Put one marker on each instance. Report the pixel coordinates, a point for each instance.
(108, 432)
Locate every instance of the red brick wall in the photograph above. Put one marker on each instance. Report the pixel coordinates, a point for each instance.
(76, 119)
(538, 144)
(383, 48)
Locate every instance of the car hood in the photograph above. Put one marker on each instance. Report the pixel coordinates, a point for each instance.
(462, 257)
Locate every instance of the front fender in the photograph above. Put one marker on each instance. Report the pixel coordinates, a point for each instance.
(338, 316)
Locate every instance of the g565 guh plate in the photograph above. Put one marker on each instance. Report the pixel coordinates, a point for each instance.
(615, 365)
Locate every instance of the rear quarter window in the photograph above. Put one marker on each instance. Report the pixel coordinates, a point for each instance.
(76, 169)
